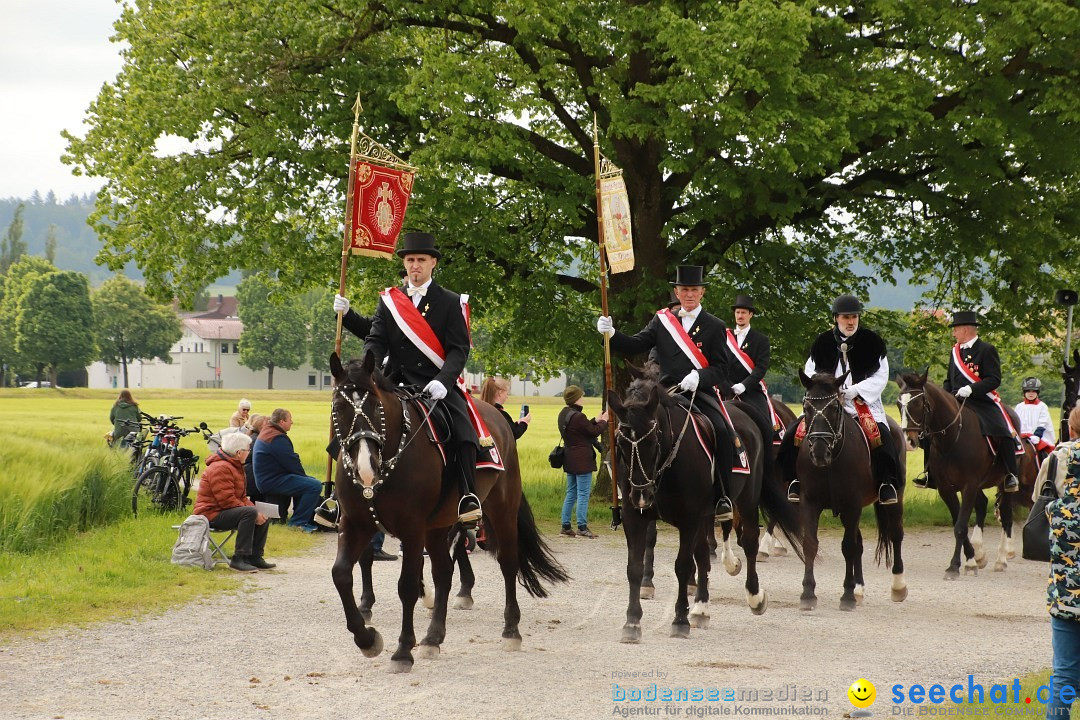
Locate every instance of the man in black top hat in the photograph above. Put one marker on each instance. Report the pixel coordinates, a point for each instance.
(860, 353)
(689, 345)
(404, 317)
(974, 376)
(750, 360)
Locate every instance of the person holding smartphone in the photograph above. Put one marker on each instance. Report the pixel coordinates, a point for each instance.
(494, 391)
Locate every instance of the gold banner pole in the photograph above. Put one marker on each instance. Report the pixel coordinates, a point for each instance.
(616, 509)
(346, 247)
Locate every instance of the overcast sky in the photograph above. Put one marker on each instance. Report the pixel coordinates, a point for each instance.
(54, 58)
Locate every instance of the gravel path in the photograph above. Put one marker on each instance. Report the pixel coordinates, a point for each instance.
(283, 651)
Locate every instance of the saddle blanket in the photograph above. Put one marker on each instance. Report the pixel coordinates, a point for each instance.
(487, 458)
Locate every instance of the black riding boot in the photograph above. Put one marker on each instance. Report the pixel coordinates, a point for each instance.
(1006, 450)
(923, 479)
(785, 457)
(469, 506)
(884, 463)
(725, 458)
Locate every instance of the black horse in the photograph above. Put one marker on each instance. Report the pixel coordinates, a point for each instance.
(835, 473)
(390, 473)
(664, 472)
(1071, 376)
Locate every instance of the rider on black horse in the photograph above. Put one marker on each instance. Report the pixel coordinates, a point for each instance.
(858, 352)
(689, 345)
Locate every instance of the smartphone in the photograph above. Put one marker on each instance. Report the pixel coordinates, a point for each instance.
(524, 411)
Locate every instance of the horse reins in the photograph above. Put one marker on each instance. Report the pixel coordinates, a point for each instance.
(924, 430)
(834, 436)
(635, 454)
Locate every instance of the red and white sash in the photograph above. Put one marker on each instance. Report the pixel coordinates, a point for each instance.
(972, 377)
(748, 363)
(415, 327)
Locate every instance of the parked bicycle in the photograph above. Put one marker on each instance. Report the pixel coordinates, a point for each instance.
(167, 471)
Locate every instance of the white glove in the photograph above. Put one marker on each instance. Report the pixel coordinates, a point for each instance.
(603, 325)
(690, 382)
(436, 390)
(850, 393)
(341, 304)
(738, 388)
(964, 392)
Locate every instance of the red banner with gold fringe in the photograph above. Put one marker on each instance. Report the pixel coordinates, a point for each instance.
(380, 198)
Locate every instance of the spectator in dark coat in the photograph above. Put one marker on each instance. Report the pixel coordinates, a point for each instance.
(579, 434)
(278, 470)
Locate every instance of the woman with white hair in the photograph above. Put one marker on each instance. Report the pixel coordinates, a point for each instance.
(223, 500)
(240, 417)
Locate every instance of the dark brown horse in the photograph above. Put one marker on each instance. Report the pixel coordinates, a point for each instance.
(961, 461)
(1071, 376)
(390, 473)
(835, 472)
(665, 473)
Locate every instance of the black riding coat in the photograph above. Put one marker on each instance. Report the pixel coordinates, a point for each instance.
(357, 324)
(708, 332)
(982, 359)
(756, 345)
(407, 365)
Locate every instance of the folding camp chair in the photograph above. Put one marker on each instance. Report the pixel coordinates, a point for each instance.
(217, 547)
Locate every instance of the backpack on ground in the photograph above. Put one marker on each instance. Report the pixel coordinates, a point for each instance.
(193, 544)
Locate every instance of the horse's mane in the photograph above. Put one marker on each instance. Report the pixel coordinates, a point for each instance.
(911, 378)
(354, 370)
(637, 393)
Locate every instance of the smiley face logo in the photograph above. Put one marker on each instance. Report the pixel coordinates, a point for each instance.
(862, 693)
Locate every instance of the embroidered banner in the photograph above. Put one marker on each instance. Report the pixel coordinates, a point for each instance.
(380, 198)
(618, 233)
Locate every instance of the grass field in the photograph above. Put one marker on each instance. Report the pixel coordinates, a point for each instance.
(75, 555)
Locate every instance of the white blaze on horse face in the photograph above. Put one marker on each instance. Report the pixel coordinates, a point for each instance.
(365, 464)
(905, 398)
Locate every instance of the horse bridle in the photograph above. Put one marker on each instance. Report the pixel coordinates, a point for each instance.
(923, 427)
(834, 436)
(378, 437)
(635, 453)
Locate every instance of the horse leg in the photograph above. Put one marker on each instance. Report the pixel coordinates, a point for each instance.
(756, 598)
(851, 547)
(367, 592)
(960, 530)
(732, 562)
(699, 613)
(463, 600)
(976, 534)
(684, 569)
(442, 574)
(860, 584)
(351, 543)
(778, 549)
(899, 591)
(1005, 547)
(634, 530)
(408, 592)
(504, 526)
(808, 599)
(648, 590)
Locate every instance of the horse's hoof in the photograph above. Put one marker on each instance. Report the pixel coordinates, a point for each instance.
(1012, 554)
(631, 634)
(859, 592)
(428, 652)
(807, 603)
(511, 644)
(1000, 566)
(428, 598)
(376, 647)
(951, 574)
(847, 604)
(733, 568)
(463, 602)
(762, 556)
(646, 592)
(699, 615)
(980, 561)
(971, 570)
(762, 606)
(779, 551)
(680, 631)
(400, 666)
(899, 595)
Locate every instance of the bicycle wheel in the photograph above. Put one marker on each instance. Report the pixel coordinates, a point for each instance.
(156, 491)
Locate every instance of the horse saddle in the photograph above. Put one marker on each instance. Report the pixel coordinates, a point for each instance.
(706, 434)
(439, 428)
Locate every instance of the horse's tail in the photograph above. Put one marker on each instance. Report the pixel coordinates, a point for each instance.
(776, 508)
(535, 561)
(889, 521)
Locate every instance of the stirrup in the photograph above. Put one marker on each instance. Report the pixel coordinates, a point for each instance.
(1011, 484)
(793, 490)
(469, 516)
(722, 511)
(887, 494)
(922, 480)
(327, 514)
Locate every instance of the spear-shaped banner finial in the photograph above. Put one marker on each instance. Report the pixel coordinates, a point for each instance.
(357, 108)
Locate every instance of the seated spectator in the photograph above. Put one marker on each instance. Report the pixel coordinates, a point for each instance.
(255, 425)
(278, 470)
(223, 500)
(494, 392)
(240, 417)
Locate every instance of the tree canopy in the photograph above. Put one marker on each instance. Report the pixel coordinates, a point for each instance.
(128, 325)
(771, 142)
(55, 321)
(275, 333)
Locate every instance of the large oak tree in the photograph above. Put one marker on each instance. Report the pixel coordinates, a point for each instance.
(770, 141)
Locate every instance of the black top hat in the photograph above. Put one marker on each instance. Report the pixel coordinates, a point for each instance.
(690, 275)
(745, 302)
(964, 317)
(418, 243)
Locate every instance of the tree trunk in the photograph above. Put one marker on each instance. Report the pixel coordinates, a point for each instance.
(39, 375)
(124, 362)
(270, 376)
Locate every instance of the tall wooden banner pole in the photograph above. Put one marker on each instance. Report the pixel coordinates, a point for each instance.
(346, 248)
(616, 509)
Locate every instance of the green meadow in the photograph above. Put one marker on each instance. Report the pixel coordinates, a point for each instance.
(71, 553)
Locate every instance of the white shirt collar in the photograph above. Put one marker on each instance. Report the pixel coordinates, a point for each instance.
(417, 298)
(969, 343)
(741, 331)
(693, 314)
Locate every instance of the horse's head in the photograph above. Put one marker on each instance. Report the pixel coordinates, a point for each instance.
(638, 451)
(1071, 376)
(823, 408)
(914, 406)
(358, 418)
